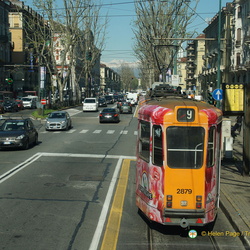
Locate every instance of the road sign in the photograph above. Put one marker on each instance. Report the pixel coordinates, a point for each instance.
(217, 94)
(43, 101)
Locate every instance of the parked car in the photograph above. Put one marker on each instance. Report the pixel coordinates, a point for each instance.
(102, 102)
(90, 104)
(58, 120)
(18, 133)
(126, 108)
(29, 102)
(109, 99)
(10, 106)
(109, 115)
(20, 104)
(2, 108)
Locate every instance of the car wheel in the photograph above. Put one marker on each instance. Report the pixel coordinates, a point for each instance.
(26, 145)
(36, 140)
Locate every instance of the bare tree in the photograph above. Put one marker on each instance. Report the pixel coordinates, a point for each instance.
(158, 26)
(127, 77)
(63, 40)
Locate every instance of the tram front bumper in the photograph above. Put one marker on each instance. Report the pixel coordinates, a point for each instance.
(184, 213)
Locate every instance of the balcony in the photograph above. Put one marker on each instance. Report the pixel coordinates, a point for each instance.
(247, 39)
(238, 43)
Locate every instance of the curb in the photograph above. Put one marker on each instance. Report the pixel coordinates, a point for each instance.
(235, 219)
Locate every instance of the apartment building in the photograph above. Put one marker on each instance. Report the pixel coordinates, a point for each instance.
(5, 45)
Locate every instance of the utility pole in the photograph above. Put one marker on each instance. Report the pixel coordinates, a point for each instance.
(219, 53)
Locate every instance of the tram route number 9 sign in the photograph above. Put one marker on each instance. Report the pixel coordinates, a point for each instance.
(185, 115)
(234, 96)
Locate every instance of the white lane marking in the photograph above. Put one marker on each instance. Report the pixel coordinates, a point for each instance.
(105, 208)
(110, 131)
(19, 167)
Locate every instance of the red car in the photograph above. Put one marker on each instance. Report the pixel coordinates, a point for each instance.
(20, 104)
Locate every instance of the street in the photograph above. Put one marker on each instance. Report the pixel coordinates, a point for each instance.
(60, 194)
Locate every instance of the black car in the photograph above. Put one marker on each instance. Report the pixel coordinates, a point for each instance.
(102, 102)
(10, 106)
(109, 115)
(125, 108)
(17, 133)
(109, 99)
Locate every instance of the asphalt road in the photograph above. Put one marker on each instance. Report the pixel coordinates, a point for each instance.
(76, 190)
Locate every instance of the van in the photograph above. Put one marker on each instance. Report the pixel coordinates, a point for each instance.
(90, 104)
(30, 101)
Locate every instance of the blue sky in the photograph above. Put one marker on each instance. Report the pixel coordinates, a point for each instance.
(119, 41)
(121, 14)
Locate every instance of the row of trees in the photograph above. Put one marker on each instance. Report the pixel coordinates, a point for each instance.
(79, 28)
(78, 25)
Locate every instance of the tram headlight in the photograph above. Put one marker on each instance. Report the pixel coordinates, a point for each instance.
(169, 201)
(198, 198)
(198, 201)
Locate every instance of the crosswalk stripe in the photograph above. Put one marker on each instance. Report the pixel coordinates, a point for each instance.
(71, 131)
(124, 132)
(84, 131)
(97, 131)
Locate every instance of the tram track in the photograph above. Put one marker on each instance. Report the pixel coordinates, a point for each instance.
(179, 238)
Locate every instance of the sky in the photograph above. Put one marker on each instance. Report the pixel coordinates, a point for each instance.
(120, 37)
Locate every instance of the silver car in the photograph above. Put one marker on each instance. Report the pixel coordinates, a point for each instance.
(58, 120)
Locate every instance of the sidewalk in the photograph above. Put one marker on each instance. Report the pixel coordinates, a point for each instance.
(235, 192)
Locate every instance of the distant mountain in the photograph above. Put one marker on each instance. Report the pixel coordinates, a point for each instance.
(116, 65)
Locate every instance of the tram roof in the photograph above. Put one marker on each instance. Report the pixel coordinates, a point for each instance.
(159, 106)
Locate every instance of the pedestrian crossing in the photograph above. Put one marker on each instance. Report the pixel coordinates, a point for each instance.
(97, 131)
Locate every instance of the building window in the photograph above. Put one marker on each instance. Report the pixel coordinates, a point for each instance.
(238, 59)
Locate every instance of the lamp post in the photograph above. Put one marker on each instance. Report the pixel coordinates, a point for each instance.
(219, 52)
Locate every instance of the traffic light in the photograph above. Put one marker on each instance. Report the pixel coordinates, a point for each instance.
(210, 98)
(89, 55)
(9, 80)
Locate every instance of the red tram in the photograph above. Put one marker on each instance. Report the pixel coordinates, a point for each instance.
(178, 161)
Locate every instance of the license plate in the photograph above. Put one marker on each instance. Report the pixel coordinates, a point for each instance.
(7, 142)
(108, 116)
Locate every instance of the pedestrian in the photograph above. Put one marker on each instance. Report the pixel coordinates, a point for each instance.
(239, 122)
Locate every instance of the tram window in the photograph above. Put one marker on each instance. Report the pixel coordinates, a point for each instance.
(157, 145)
(185, 147)
(144, 140)
(211, 147)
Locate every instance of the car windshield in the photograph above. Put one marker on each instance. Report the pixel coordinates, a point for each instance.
(89, 101)
(12, 126)
(26, 99)
(57, 115)
(108, 110)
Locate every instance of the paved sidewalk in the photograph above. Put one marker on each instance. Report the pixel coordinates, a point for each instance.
(235, 192)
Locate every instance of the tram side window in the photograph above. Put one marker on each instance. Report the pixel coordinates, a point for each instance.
(157, 145)
(211, 147)
(144, 140)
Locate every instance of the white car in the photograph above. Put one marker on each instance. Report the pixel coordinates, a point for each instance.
(131, 100)
(29, 102)
(90, 104)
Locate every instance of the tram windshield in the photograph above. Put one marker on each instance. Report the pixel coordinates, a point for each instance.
(185, 146)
